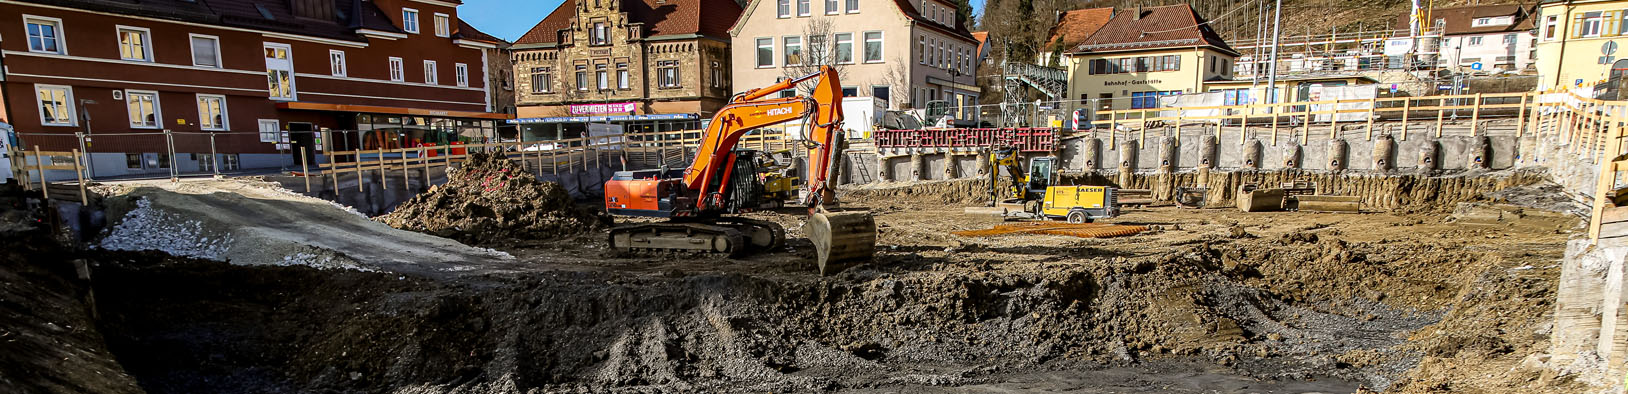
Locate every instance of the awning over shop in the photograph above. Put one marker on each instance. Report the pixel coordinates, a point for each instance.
(391, 110)
(612, 118)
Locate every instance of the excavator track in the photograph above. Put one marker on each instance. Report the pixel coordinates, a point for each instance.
(729, 237)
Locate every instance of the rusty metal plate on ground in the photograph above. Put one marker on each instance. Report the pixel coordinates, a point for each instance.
(1082, 230)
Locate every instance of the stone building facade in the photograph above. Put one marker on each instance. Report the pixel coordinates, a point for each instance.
(642, 65)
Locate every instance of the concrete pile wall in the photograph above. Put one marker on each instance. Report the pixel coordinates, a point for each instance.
(1348, 148)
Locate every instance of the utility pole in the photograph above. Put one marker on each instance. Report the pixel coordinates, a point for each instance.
(1272, 75)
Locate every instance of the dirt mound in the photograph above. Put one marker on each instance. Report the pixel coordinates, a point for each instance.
(491, 200)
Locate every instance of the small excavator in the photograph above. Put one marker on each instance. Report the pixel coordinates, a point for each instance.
(726, 181)
(1035, 194)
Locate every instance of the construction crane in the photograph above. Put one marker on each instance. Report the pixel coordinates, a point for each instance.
(723, 181)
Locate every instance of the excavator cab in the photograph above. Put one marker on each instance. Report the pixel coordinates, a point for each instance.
(1042, 174)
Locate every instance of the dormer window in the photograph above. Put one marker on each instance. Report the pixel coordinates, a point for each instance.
(1492, 21)
(409, 20)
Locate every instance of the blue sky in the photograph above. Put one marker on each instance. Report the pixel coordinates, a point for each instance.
(508, 19)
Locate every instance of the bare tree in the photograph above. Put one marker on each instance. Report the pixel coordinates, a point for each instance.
(897, 79)
(819, 48)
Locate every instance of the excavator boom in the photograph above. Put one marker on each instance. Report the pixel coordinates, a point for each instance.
(718, 181)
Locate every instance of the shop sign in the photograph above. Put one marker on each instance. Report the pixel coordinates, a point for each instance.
(602, 108)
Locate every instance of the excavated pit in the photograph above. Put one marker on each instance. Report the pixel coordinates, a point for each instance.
(1217, 301)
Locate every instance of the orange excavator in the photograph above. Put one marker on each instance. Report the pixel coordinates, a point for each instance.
(724, 180)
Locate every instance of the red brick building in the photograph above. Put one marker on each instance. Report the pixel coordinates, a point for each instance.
(233, 76)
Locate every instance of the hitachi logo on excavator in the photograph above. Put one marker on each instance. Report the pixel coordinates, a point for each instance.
(780, 111)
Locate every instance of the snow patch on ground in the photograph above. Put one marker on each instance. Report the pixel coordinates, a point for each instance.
(145, 228)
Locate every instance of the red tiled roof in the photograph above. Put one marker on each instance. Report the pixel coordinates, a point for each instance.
(1458, 19)
(467, 32)
(711, 18)
(982, 37)
(1077, 25)
(910, 11)
(1173, 26)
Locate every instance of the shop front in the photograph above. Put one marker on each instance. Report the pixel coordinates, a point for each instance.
(339, 128)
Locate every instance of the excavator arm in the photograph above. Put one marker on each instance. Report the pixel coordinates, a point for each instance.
(821, 110)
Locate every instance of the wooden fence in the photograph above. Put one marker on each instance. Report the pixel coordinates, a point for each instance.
(1302, 115)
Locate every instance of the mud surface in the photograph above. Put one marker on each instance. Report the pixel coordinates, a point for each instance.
(48, 337)
(491, 200)
(1218, 301)
(1215, 300)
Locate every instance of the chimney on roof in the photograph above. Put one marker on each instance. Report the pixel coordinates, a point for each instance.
(1138, 12)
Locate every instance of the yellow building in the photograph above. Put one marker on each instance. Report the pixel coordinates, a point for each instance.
(1144, 53)
(1579, 41)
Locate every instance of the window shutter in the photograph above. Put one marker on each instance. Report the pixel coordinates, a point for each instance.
(1576, 26)
(1609, 23)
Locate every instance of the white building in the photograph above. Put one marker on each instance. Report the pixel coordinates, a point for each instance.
(1497, 37)
(906, 52)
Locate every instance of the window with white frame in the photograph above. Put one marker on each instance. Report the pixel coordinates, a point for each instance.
(844, 47)
(717, 75)
(667, 73)
(279, 71)
(135, 44)
(212, 112)
(765, 52)
(853, 6)
(460, 73)
(443, 26)
(602, 73)
(398, 71)
(431, 76)
(1549, 24)
(803, 8)
(582, 77)
(269, 130)
(782, 9)
(599, 34)
(873, 47)
(336, 62)
(1475, 41)
(542, 79)
(56, 105)
(45, 35)
(1591, 24)
(143, 109)
(831, 7)
(205, 51)
(409, 20)
(793, 50)
(922, 55)
(1509, 39)
(622, 76)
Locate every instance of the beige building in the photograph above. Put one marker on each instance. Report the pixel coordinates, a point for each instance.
(1575, 41)
(639, 65)
(1144, 53)
(906, 52)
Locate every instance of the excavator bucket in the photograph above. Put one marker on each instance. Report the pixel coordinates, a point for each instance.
(841, 239)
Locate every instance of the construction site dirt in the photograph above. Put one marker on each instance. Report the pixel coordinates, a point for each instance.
(1209, 300)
